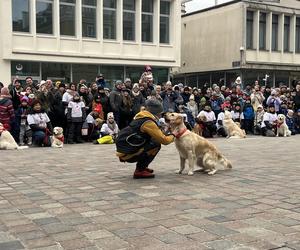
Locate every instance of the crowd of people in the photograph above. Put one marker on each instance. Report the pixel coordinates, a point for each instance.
(88, 111)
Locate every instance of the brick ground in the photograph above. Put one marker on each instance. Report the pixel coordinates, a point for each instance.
(82, 197)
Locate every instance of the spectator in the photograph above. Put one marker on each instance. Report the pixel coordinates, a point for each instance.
(192, 106)
(115, 100)
(186, 95)
(125, 109)
(57, 110)
(7, 114)
(23, 112)
(269, 122)
(110, 127)
(275, 100)
(257, 97)
(248, 117)
(297, 121)
(31, 84)
(290, 121)
(104, 100)
(137, 99)
(209, 123)
(258, 119)
(170, 98)
(100, 81)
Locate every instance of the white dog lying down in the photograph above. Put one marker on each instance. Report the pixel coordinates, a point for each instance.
(282, 127)
(57, 138)
(195, 148)
(7, 141)
(231, 128)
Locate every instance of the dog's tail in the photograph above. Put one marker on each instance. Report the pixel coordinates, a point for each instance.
(224, 162)
(22, 147)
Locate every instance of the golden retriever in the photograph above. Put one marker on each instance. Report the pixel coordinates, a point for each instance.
(195, 148)
(57, 138)
(7, 141)
(282, 127)
(232, 129)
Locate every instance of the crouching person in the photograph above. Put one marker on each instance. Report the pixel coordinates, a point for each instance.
(141, 140)
(40, 125)
(269, 123)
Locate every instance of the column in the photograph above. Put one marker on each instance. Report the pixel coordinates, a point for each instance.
(269, 32)
(78, 19)
(100, 20)
(293, 34)
(119, 21)
(256, 30)
(138, 21)
(280, 32)
(156, 22)
(5, 72)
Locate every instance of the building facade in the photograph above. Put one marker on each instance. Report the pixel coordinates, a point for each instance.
(73, 39)
(257, 40)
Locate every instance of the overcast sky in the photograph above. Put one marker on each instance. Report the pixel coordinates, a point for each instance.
(201, 4)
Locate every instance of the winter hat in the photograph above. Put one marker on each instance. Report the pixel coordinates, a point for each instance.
(110, 115)
(118, 82)
(260, 106)
(192, 97)
(24, 99)
(273, 92)
(154, 106)
(136, 85)
(5, 92)
(180, 85)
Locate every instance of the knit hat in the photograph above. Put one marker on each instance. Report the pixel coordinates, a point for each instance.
(118, 82)
(136, 85)
(260, 106)
(192, 97)
(5, 92)
(24, 99)
(154, 106)
(110, 115)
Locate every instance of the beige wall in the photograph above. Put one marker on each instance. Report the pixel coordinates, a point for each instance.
(204, 36)
(54, 48)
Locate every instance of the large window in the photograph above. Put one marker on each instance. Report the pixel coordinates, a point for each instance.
(274, 32)
(20, 15)
(112, 74)
(56, 71)
(249, 38)
(164, 25)
(84, 71)
(297, 41)
(147, 21)
(286, 36)
(67, 17)
(109, 19)
(262, 30)
(129, 20)
(44, 13)
(89, 8)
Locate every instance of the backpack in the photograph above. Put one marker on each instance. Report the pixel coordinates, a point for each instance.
(130, 139)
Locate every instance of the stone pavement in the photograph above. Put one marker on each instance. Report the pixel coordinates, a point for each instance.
(81, 197)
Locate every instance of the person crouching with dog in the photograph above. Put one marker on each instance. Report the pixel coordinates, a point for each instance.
(141, 141)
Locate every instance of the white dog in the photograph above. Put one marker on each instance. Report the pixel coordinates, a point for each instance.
(57, 138)
(7, 141)
(232, 129)
(282, 128)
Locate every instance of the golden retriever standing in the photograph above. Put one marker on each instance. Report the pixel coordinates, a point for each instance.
(232, 129)
(282, 127)
(7, 141)
(195, 148)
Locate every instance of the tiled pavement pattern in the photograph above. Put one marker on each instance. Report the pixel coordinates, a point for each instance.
(81, 197)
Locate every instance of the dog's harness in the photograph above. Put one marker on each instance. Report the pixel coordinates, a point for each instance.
(181, 133)
(61, 139)
(279, 125)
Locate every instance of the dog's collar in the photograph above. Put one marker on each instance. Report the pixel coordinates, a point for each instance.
(279, 125)
(181, 133)
(61, 138)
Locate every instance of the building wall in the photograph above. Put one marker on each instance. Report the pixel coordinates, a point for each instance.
(204, 36)
(31, 46)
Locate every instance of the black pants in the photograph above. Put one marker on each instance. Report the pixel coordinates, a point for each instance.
(143, 160)
(221, 131)
(248, 125)
(74, 133)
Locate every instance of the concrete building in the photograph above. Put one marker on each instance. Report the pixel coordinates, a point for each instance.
(73, 39)
(257, 40)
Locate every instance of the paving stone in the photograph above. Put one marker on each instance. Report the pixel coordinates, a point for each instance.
(220, 245)
(93, 235)
(186, 229)
(11, 245)
(219, 230)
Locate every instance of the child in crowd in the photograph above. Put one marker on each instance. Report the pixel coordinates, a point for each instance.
(23, 111)
(297, 122)
(93, 124)
(248, 117)
(236, 113)
(192, 106)
(258, 119)
(76, 116)
(290, 121)
(110, 127)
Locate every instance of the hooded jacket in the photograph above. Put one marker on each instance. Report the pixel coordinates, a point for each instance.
(6, 112)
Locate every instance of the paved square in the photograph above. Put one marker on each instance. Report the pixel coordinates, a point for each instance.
(82, 197)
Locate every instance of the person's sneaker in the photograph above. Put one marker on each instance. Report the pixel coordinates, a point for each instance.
(142, 174)
(149, 170)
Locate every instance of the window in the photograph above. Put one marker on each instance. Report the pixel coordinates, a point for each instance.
(129, 20)
(262, 30)
(147, 21)
(25, 68)
(249, 42)
(164, 25)
(112, 74)
(286, 35)
(84, 71)
(89, 8)
(297, 45)
(20, 15)
(56, 71)
(109, 19)
(44, 13)
(67, 17)
(274, 32)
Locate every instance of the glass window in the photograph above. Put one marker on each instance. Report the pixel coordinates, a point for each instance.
(21, 68)
(147, 21)
(44, 13)
(286, 36)
(249, 41)
(297, 42)
(262, 30)
(134, 73)
(274, 32)
(67, 17)
(56, 71)
(89, 8)
(129, 20)
(109, 19)
(84, 71)
(20, 15)
(164, 26)
(112, 74)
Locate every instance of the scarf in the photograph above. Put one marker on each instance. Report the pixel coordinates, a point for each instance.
(112, 126)
(135, 93)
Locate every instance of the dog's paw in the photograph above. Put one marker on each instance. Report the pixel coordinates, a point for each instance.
(179, 171)
(191, 173)
(212, 172)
